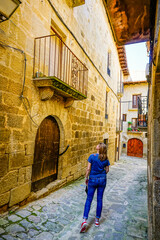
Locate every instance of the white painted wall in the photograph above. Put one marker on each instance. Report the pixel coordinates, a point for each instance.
(126, 108)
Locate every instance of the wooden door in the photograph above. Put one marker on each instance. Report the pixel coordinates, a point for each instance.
(135, 147)
(44, 169)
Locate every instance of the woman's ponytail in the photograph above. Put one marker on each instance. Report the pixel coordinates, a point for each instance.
(103, 152)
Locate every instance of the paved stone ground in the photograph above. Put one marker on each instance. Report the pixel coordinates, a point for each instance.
(59, 215)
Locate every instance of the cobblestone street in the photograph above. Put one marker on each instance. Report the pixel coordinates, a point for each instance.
(59, 215)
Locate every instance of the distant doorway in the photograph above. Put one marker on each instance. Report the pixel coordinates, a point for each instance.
(45, 166)
(135, 147)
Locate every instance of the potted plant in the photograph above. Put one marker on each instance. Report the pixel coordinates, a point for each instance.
(129, 126)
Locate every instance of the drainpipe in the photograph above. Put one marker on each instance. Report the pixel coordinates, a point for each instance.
(121, 89)
(119, 128)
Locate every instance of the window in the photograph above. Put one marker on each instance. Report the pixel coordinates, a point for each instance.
(106, 115)
(109, 64)
(124, 117)
(134, 122)
(56, 54)
(135, 100)
(106, 142)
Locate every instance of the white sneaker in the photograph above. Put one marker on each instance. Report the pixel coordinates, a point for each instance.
(96, 223)
(83, 227)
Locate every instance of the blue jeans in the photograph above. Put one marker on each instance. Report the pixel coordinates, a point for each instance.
(93, 184)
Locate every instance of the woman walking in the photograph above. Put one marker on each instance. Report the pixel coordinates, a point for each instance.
(98, 166)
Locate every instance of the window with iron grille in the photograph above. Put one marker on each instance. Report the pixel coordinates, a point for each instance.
(124, 117)
(135, 100)
(142, 111)
(134, 122)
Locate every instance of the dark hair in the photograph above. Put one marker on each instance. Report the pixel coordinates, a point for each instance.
(103, 151)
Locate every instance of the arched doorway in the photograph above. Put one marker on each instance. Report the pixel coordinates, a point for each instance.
(135, 147)
(46, 152)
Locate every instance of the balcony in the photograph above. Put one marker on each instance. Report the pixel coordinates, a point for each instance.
(133, 127)
(120, 87)
(133, 130)
(57, 71)
(120, 90)
(142, 113)
(119, 126)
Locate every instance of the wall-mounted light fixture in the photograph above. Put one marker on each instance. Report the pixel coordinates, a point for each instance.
(75, 3)
(7, 8)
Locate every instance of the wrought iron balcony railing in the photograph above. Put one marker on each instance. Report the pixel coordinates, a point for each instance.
(56, 66)
(119, 125)
(120, 89)
(128, 105)
(142, 112)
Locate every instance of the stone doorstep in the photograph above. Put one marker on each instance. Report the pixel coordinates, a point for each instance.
(51, 187)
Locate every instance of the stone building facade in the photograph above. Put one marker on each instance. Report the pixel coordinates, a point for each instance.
(134, 130)
(153, 127)
(37, 108)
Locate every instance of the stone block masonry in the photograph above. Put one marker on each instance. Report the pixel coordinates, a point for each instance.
(9, 181)
(82, 125)
(19, 193)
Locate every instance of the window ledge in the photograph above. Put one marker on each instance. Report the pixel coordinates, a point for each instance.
(133, 109)
(134, 132)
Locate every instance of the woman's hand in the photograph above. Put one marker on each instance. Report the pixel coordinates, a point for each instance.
(86, 181)
(88, 172)
(107, 169)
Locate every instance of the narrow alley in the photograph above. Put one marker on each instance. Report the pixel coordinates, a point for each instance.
(59, 215)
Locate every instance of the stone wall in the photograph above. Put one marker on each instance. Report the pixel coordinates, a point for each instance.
(154, 158)
(154, 134)
(82, 125)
